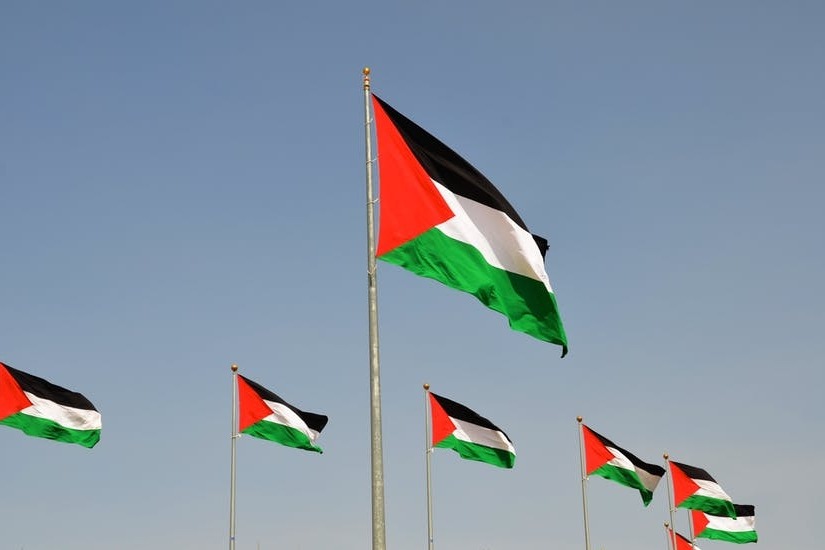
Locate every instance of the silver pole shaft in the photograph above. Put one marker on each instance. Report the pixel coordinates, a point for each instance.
(377, 461)
(670, 502)
(232, 461)
(428, 450)
(584, 485)
(690, 527)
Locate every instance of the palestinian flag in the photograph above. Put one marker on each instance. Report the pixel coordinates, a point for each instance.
(42, 409)
(739, 530)
(682, 543)
(473, 437)
(442, 219)
(265, 415)
(695, 489)
(606, 459)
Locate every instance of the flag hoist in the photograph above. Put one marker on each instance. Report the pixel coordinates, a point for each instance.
(451, 425)
(376, 446)
(698, 492)
(444, 220)
(603, 458)
(259, 412)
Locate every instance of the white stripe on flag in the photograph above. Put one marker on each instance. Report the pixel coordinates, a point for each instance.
(496, 243)
(711, 489)
(281, 414)
(473, 433)
(68, 417)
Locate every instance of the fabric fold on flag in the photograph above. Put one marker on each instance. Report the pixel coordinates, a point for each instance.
(454, 426)
(695, 489)
(263, 414)
(441, 218)
(739, 530)
(606, 459)
(41, 409)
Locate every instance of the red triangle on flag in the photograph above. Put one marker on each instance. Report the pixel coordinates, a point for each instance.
(700, 522)
(683, 485)
(251, 408)
(596, 454)
(12, 398)
(410, 204)
(442, 424)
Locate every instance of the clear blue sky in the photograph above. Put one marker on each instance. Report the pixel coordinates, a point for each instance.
(182, 187)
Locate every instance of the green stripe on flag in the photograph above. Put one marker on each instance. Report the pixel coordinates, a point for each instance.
(625, 477)
(714, 506)
(49, 429)
(481, 453)
(285, 435)
(527, 303)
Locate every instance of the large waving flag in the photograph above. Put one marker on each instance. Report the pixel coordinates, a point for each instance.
(695, 489)
(441, 218)
(739, 530)
(264, 415)
(42, 409)
(606, 459)
(472, 436)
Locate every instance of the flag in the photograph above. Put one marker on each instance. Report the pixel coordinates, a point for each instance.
(265, 415)
(695, 489)
(473, 437)
(606, 459)
(682, 543)
(739, 530)
(42, 409)
(442, 219)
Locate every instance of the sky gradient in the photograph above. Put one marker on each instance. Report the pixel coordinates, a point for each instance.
(182, 188)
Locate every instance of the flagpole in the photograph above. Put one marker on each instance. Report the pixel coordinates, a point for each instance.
(690, 527)
(670, 499)
(234, 368)
(668, 536)
(427, 454)
(584, 484)
(377, 453)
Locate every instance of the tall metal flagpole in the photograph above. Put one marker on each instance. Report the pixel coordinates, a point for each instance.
(670, 502)
(428, 451)
(377, 461)
(667, 536)
(690, 527)
(584, 484)
(234, 368)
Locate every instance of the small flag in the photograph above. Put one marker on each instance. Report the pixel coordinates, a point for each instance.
(695, 489)
(473, 437)
(740, 530)
(682, 543)
(42, 409)
(442, 219)
(264, 415)
(606, 459)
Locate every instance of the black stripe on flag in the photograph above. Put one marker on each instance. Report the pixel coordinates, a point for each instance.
(46, 390)
(693, 472)
(448, 168)
(743, 511)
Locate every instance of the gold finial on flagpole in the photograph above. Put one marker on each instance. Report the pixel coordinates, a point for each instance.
(426, 386)
(665, 456)
(366, 73)
(234, 367)
(579, 419)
